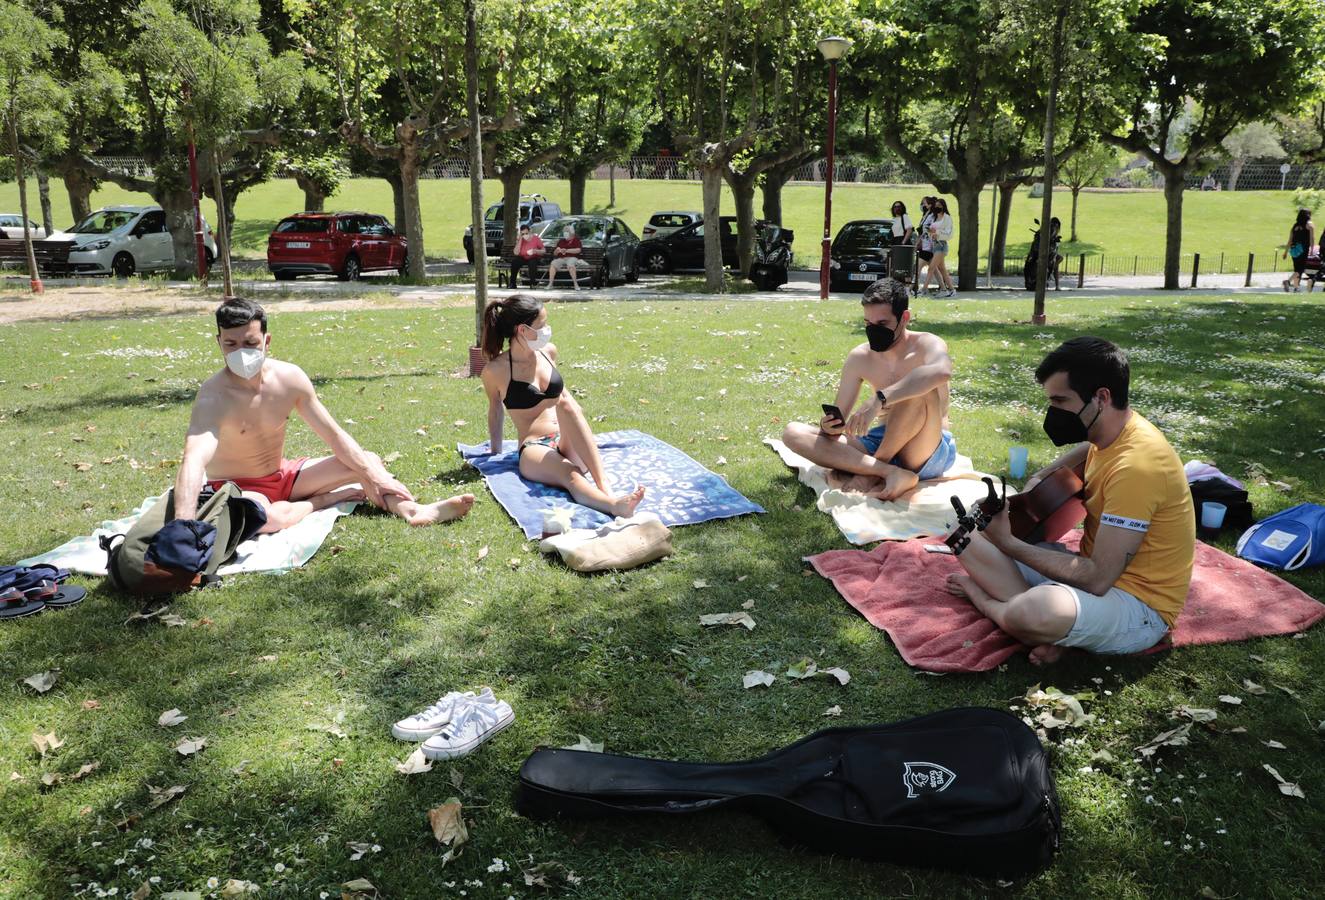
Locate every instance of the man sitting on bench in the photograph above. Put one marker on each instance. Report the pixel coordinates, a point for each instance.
(237, 433)
(1124, 590)
(567, 256)
(528, 251)
(908, 372)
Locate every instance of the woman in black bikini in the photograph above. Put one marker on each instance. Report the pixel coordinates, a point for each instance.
(556, 445)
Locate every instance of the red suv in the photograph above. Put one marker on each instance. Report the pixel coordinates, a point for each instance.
(343, 244)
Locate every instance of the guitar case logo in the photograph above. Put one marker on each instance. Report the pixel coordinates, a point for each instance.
(926, 777)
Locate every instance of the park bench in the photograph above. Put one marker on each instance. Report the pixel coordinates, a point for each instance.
(52, 256)
(591, 273)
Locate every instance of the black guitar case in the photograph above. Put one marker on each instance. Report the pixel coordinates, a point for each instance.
(965, 789)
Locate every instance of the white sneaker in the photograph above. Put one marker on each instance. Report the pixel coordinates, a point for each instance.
(474, 724)
(423, 725)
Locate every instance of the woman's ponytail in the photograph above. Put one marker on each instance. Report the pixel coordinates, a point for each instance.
(502, 317)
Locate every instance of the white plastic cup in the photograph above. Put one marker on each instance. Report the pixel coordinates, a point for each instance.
(1017, 459)
(1212, 515)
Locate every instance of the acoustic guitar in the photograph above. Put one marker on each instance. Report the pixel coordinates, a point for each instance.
(1044, 513)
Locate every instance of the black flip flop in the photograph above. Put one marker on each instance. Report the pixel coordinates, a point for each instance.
(66, 596)
(16, 605)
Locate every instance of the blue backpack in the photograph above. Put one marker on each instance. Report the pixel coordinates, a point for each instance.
(1287, 540)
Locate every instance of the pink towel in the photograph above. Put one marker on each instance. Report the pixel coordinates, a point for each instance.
(1230, 600)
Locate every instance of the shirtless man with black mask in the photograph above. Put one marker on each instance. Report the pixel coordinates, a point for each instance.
(908, 374)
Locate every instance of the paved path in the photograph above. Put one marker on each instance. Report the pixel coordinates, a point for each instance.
(803, 286)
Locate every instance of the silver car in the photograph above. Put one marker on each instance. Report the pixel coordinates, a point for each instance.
(122, 240)
(12, 225)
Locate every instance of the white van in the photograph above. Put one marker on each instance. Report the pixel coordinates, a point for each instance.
(122, 240)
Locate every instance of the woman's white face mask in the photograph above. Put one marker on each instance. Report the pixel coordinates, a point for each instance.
(246, 361)
(543, 336)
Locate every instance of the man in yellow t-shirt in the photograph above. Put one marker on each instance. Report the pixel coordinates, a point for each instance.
(1125, 589)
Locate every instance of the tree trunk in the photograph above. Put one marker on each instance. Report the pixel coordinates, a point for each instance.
(314, 199)
(1235, 172)
(1006, 191)
(1075, 192)
(44, 196)
(511, 179)
(79, 187)
(1173, 189)
(475, 182)
(577, 179)
(743, 192)
(968, 251)
(409, 181)
(772, 191)
(225, 211)
(177, 202)
(611, 186)
(397, 200)
(34, 276)
(711, 178)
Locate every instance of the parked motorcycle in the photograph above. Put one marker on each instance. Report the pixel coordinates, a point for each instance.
(772, 256)
(1033, 257)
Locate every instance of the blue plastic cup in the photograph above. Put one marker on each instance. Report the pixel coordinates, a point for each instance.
(1212, 515)
(1017, 458)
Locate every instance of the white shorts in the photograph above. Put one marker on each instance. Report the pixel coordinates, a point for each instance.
(1116, 622)
(567, 262)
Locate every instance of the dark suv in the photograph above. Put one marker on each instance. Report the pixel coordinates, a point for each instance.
(534, 208)
(684, 249)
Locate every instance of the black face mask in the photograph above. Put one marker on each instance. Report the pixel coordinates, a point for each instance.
(1065, 427)
(880, 337)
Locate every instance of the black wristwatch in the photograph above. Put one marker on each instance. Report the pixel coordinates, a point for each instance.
(883, 400)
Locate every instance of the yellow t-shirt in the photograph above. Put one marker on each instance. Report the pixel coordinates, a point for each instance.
(1137, 483)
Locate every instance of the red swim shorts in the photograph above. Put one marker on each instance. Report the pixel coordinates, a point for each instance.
(276, 487)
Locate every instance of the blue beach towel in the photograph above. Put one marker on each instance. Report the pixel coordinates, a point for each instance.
(678, 490)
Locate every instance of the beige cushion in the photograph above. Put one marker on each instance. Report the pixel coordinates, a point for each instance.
(621, 544)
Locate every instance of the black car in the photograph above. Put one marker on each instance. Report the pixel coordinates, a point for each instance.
(859, 254)
(684, 249)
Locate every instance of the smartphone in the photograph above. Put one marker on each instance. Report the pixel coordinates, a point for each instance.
(831, 410)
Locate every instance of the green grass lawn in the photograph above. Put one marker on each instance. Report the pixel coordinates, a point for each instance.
(386, 618)
(1121, 226)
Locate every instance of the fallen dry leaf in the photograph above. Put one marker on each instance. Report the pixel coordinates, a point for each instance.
(448, 823)
(1274, 745)
(170, 620)
(414, 764)
(170, 718)
(358, 849)
(842, 675)
(757, 678)
(46, 743)
(833, 712)
(1230, 699)
(1176, 737)
(482, 552)
(1058, 709)
(358, 889)
(748, 604)
(803, 669)
(699, 584)
(1287, 788)
(270, 657)
(1252, 687)
(143, 892)
(1196, 714)
(190, 746)
(729, 618)
(550, 874)
(42, 681)
(162, 796)
(391, 457)
(235, 887)
(585, 744)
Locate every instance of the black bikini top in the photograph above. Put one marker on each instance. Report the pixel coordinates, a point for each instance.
(523, 395)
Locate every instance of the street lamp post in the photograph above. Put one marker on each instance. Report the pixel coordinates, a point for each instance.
(833, 49)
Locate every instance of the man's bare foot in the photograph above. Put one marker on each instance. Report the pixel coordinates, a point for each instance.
(419, 514)
(625, 505)
(897, 482)
(341, 495)
(1046, 654)
(958, 585)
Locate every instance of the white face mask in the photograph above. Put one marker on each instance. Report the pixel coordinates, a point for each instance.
(246, 361)
(544, 335)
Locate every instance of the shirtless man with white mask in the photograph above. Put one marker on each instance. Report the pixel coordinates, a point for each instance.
(908, 374)
(237, 433)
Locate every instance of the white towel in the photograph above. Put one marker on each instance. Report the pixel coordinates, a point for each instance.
(278, 552)
(923, 512)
